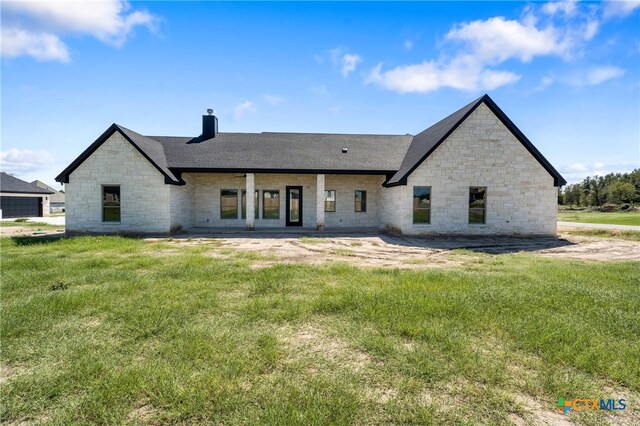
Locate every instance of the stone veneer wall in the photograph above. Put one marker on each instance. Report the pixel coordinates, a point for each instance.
(209, 185)
(345, 187)
(145, 198)
(521, 198)
(183, 203)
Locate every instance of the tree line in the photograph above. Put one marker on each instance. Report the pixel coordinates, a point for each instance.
(614, 188)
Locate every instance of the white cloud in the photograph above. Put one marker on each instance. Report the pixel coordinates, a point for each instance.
(496, 39)
(599, 75)
(619, 9)
(483, 45)
(24, 160)
(320, 90)
(577, 167)
(589, 76)
(408, 44)
(242, 109)
(473, 52)
(463, 73)
(576, 172)
(560, 7)
(41, 46)
(349, 63)
(32, 24)
(341, 58)
(273, 99)
(545, 82)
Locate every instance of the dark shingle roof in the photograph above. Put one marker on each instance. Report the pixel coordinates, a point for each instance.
(288, 151)
(396, 155)
(12, 184)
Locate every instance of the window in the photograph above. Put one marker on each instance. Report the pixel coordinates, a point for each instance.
(361, 201)
(255, 203)
(229, 204)
(270, 204)
(421, 204)
(330, 201)
(111, 203)
(477, 203)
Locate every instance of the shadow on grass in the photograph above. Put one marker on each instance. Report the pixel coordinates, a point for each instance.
(485, 244)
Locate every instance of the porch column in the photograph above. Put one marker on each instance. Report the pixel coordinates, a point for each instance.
(251, 206)
(320, 202)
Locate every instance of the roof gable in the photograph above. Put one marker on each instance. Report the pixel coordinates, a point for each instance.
(12, 184)
(56, 196)
(150, 149)
(427, 141)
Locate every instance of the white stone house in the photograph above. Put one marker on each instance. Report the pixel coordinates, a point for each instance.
(474, 172)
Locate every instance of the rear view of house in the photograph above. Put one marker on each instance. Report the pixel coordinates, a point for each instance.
(474, 172)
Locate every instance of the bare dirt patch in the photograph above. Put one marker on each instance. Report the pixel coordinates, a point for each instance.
(28, 231)
(143, 412)
(595, 248)
(393, 251)
(314, 342)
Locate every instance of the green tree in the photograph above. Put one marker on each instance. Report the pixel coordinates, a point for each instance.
(621, 192)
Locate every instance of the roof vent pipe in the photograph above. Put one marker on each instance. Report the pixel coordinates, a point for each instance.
(345, 150)
(209, 125)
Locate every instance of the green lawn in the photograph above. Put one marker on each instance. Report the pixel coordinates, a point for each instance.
(631, 218)
(115, 330)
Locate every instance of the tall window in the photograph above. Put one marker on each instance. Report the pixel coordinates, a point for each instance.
(330, 200)
(421, 204)
(477, 204)
(361, 201)
(229, 204)
(255, 204)
(111, 203)
(270, 204)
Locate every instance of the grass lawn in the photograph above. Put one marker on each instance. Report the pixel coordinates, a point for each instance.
(120, 330)
(631, 218)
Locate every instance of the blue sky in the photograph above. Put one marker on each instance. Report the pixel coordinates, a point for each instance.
(566, 73)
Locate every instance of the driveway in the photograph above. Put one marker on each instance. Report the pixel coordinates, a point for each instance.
(51, 220)
(599, 226)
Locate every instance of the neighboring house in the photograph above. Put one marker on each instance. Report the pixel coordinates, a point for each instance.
(473, 172)
(56, 201)
(22, 199)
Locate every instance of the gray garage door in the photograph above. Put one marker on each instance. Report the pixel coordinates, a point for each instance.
(21, 206)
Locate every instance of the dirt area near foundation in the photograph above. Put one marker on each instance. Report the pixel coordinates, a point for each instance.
(29, 231)
(383, 250)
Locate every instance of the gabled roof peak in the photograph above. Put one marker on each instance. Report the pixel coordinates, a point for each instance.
(425, 142)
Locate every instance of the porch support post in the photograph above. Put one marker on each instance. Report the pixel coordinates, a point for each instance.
(320, 202)
(251, 207)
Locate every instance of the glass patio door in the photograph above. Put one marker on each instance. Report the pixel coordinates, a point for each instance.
(294, 206)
